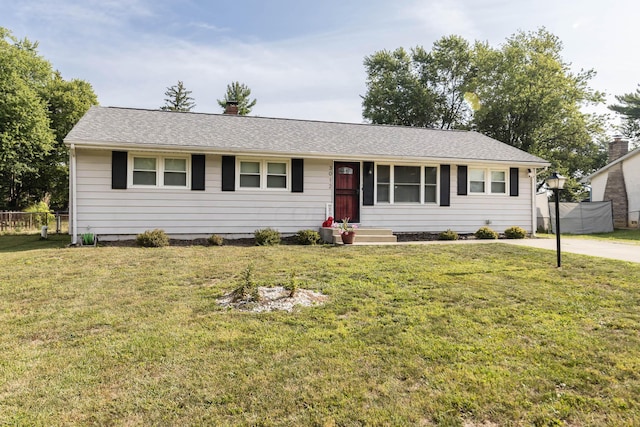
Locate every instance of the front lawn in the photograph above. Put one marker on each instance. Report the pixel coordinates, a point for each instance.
(412, 335)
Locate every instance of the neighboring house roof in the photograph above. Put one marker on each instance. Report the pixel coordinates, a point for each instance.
(588, 179)
(153, 129)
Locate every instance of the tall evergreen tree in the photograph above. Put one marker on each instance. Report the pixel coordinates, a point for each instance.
(178, 99)
(629, 108)
(238, 92)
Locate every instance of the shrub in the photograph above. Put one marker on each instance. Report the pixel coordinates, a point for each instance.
(215, 240)
(515, 233)
(307, 237)
(486, 233)
(267, 237)
(153, 239)
(87, 239)
(293, 285)
(448, 235)
(248, 289)
(44, 215)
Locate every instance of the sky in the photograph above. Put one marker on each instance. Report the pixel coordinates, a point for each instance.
(301, 59)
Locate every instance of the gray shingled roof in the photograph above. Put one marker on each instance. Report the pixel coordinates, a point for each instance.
(109, 126)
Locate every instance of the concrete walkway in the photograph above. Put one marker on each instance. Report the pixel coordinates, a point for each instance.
(600, 248)
(592, 247)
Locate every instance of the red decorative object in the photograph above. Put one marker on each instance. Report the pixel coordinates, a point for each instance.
(328, 222)
(348, 237)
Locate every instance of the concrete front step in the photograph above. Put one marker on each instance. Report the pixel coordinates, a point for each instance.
(369, 238)
(363, 235)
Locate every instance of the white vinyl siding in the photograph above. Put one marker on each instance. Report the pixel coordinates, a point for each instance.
(185, 214)
(464, 215)
(125, 213)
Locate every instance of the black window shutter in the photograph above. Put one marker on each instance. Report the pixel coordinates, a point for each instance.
(367, 184)
(514, 183)
(297, 175)
(462, 180)
(445, 185)
(228, 173)
(119, 170)
(197, 172)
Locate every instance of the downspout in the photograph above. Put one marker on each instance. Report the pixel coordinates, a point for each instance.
(74, 197)
(534, 211)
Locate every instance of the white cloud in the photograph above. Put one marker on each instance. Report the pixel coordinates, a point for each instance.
(131, 51)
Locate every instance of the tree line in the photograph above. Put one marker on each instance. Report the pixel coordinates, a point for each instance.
(37, 110)
(522, 93)
(178, 98)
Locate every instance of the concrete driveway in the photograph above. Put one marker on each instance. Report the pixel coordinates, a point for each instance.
(600, 248)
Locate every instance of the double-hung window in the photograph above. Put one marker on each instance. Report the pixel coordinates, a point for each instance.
(430, 184)
(264, 174)
(406, 184)
(498, 182)
(476, 180)
(487, 181)
(175, 172)
(406, 187)
(159, 171)
(249, 174)
(145, 171)
(384, 183)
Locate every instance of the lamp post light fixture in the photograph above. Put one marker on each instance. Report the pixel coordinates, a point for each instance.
(556, 182)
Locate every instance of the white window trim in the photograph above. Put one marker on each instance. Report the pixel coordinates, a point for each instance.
(487, 182)
(159, 170)
(263, 173)
(392, 184)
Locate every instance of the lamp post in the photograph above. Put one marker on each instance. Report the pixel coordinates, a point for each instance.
(556, 182)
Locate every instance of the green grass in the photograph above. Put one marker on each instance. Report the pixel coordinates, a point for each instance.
(28, 242)
(412, 335)
(624, 236)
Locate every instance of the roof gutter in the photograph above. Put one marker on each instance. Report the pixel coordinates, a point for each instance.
(74, 195)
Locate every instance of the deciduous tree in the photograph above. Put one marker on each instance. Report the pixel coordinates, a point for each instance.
(521, 93)
(37, 109)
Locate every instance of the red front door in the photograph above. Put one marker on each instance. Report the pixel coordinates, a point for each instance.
(347, 191)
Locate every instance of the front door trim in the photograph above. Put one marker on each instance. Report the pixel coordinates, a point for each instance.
(346, 191)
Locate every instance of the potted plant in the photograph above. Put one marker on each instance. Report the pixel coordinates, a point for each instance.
(347, 231)
(88, 238)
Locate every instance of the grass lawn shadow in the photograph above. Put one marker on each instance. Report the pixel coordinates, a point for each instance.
(30, 242)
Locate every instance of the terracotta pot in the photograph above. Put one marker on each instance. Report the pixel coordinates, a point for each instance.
(348, 237)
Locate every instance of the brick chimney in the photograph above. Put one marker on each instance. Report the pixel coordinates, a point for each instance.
(618, 148)
(616, 187)
(231, 108)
